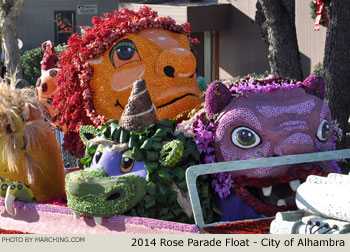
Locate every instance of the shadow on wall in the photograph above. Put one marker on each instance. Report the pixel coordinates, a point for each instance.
(242, 50)
(305, 64)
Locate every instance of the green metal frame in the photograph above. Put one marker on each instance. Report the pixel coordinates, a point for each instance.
(193, 172)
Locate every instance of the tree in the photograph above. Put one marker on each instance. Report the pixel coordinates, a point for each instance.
(336, 63)
(276, 20)
(9, 11)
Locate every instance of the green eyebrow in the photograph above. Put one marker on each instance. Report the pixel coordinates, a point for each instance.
(124, 42)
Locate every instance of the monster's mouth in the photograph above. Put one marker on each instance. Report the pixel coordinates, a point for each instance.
(175, 100)
(114, 196)
(267, 196)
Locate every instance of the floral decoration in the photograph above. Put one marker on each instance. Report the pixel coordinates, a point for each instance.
(204, 128)
(73, 98)
(319, 9)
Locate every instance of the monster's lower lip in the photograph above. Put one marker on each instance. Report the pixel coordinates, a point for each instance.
(176, 99)
(267, 196)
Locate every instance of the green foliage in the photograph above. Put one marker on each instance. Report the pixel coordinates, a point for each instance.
(31, 68)
(317, 69)
(151, 144)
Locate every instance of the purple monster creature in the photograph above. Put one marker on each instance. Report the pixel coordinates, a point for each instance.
(256, 119)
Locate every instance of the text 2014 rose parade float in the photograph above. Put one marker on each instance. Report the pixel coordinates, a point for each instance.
(119, 86)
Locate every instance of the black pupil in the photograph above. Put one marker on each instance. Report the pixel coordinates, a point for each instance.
(126, 162)
(245, 137)
(98, 156)
(125, 52)
(325, 130)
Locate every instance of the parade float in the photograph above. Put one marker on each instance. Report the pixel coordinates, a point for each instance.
(156, 156)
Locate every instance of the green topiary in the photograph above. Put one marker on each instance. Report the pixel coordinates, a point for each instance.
(166, 157)
(31, 68)
(317, 69)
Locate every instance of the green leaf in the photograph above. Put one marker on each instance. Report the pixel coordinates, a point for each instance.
(91, 149)
(137, 154)
(142, 138)
(149, 202)
(168, 123)
(164, 211)
(179, 173)
(124, 136)
(132, 143)
(152, 156)
(204, 191)
(182, 185)
(106, 132)
(168, 216)
(157, 146)
(163, 189)
(147, 145)
(165, 176)
(181, 137)
(156, 139)
(152, 166)
(116, 134)
(160, 133)
(151, 188)
(86, 161)
(176, 211)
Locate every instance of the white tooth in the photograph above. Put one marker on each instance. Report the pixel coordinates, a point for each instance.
(9, 199)
(267, 191)
(281, 202)
(76, 216)
(98, 220)
(294, 184)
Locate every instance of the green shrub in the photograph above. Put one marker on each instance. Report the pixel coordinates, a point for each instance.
(317, 69)
(31, 68)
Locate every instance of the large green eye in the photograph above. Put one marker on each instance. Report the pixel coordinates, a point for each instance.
(123, 52)
(127, 162)
(323, 131)
(245, 138)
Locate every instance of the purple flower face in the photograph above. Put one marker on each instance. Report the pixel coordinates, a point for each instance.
(117, 163)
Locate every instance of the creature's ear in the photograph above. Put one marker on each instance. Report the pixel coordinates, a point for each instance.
(315, 85)
(216, 98)
(87, 132)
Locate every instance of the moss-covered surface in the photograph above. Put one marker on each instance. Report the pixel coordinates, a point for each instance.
(154, 145)
(91, 193)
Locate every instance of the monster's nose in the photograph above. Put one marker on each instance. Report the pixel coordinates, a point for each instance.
(176, 63)
(297, 143)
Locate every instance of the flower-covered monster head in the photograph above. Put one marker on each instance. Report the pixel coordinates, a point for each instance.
(139, 173)
(267, 118)
(99, 68)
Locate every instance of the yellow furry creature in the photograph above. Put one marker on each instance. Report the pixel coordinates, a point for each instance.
(31, 167)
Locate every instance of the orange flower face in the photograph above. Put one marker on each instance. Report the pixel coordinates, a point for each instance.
(160, 57)
(45, 87)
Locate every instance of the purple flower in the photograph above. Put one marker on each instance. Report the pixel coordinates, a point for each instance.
(222, 184)
(209, 159)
